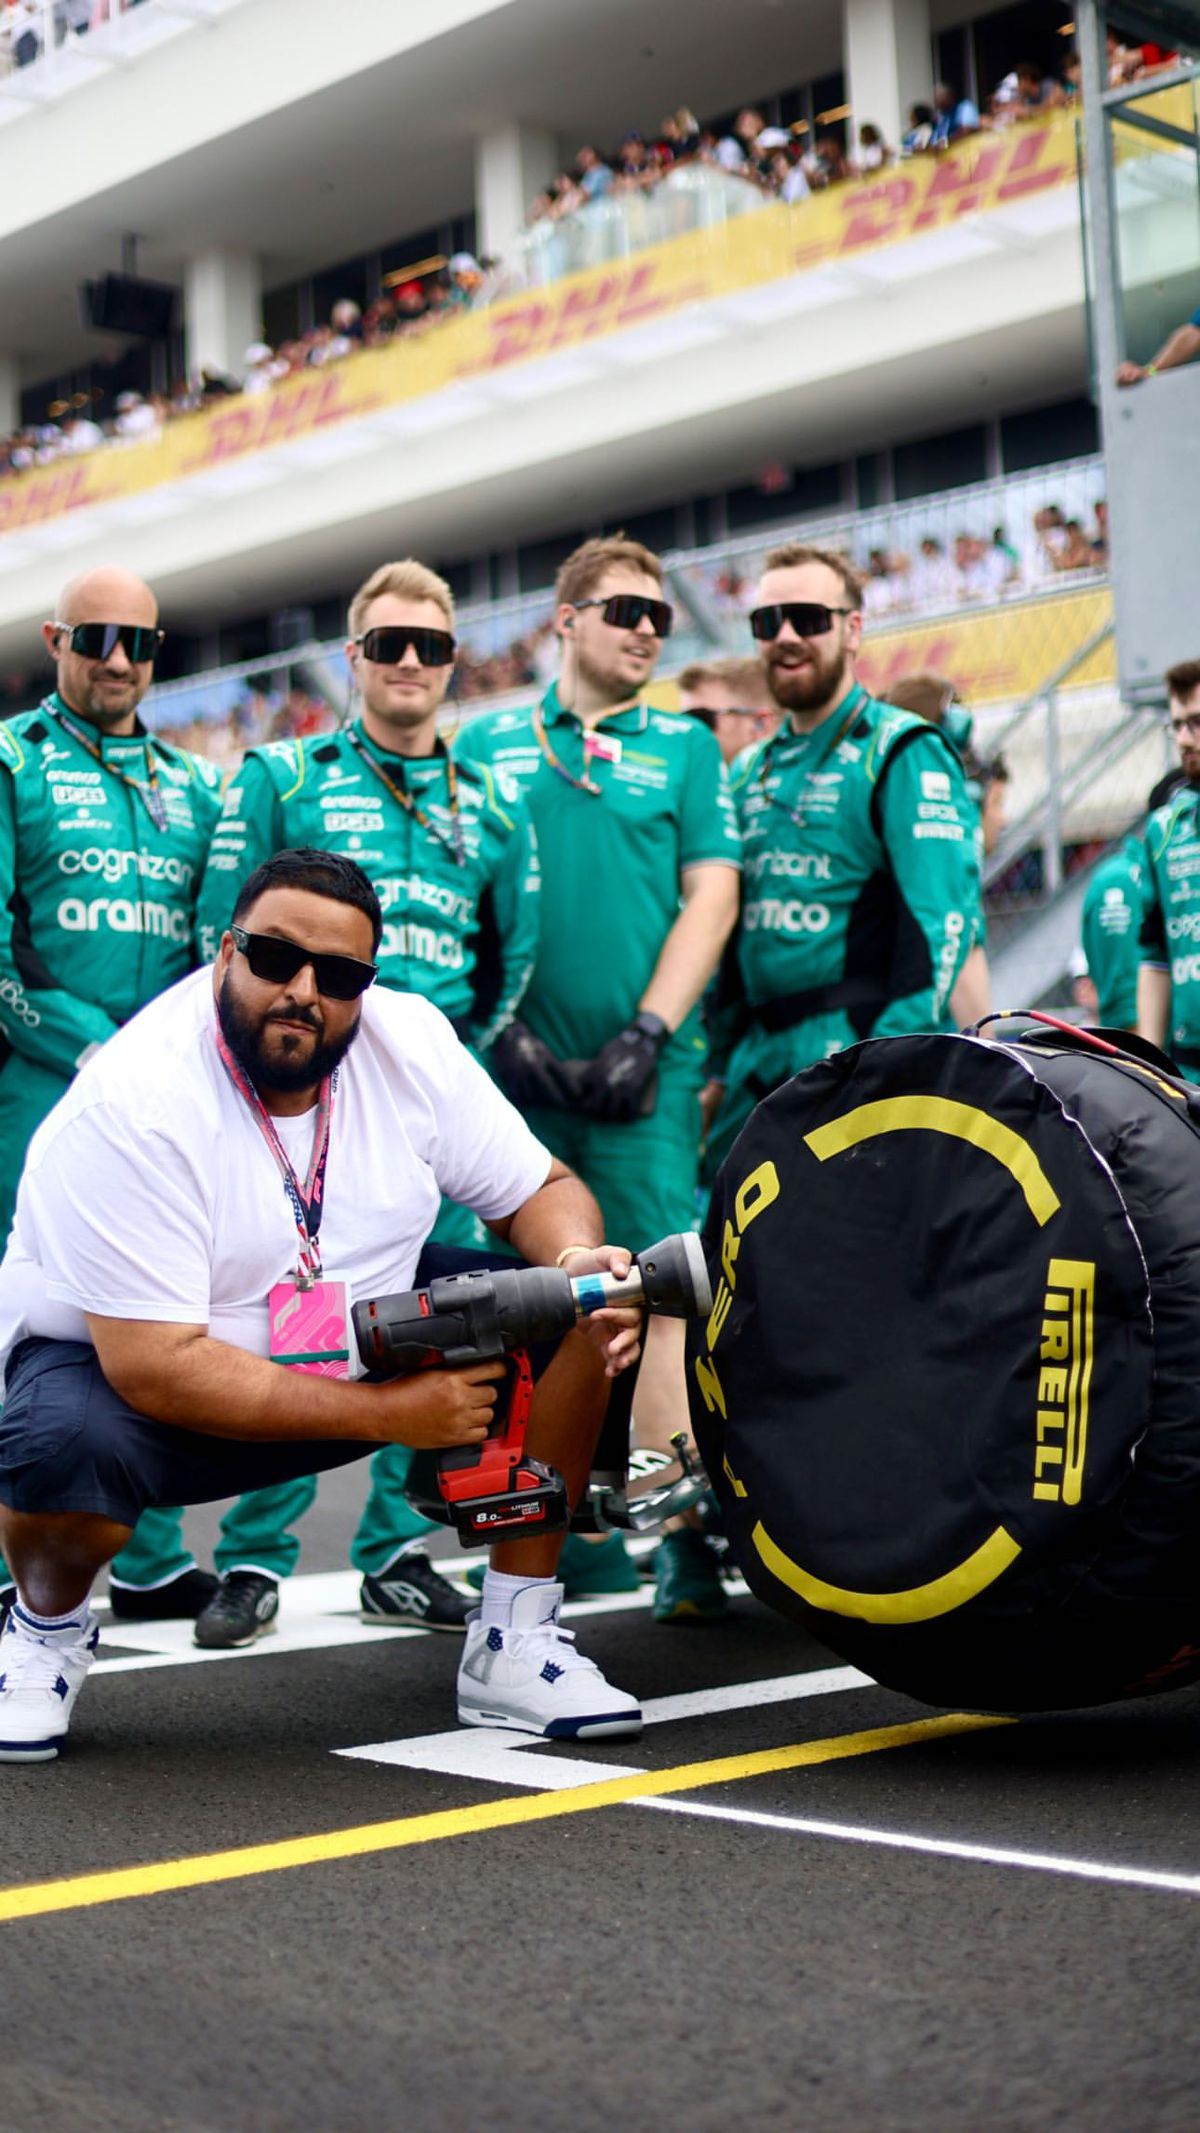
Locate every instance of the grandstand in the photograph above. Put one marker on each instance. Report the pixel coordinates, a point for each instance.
(896, 364)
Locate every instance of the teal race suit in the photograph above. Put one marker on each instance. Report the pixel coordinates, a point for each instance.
(612, 858)
(1111, 922)
(456, 873)
(102, 843)
(1170, 936)
(101, 851)
(861, 896)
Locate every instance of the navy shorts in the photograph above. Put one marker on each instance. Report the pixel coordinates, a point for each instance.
(68, 1442)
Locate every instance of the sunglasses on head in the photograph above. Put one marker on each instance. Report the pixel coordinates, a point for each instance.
(809, 618)
(277, 962)
(623, 611)
(99, 640)
(385, 647)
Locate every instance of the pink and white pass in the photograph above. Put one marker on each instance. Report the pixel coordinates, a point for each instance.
(309, 1328)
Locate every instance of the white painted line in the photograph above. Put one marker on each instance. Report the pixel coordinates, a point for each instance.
(493, 1757)
(496, 1757)
(939, 1847)
(749, 1695)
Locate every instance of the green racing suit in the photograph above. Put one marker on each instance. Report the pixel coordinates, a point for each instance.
(456, 873)
(101, 849)
(860, 900)
(1170, 933)
(1111, 923)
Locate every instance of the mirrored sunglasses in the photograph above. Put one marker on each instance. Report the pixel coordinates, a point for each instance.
(385, 647)
(809, 618)
(623, 611)
(99, 640)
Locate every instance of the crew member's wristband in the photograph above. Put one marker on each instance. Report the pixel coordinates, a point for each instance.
(569, 1248)
(1151, 370)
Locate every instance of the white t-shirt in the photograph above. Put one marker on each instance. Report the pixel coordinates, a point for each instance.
(149, 1192)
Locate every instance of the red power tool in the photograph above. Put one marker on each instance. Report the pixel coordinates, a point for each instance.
(493, 1491)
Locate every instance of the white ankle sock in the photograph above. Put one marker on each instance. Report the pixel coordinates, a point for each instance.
(499, 1592)
(23, 1612)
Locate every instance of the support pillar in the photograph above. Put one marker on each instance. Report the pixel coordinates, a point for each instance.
(222, 310)
(10, 395)
(889, 62)
(512, 165)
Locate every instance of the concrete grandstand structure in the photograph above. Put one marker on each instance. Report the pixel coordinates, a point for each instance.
(908, 347)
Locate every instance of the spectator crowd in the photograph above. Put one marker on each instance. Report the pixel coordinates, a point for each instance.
(86, 422)
(785, 163)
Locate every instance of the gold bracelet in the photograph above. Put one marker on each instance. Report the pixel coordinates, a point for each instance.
(569, 1248)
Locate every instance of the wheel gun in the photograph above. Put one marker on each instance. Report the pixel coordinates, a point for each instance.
(494, 1491)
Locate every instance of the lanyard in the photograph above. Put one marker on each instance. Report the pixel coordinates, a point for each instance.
(307, 1203)
(149, 792)
(454, 842)
(583, 784)
(796, 815)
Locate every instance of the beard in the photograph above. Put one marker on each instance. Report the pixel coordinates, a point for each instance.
(812, 686)
(245, 1036)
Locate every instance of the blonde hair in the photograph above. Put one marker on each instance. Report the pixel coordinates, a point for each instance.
(408, 580)
(794, 552)
(581, 573)
(742, 677)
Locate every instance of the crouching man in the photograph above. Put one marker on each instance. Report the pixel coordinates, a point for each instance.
(266, 1143)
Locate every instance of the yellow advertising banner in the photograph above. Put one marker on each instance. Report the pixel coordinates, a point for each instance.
(979, 176)
(1001, 656)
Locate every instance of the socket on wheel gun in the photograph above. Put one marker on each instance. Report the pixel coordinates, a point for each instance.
(494, 1491)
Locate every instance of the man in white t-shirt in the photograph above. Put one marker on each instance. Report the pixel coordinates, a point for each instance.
(164, 1242)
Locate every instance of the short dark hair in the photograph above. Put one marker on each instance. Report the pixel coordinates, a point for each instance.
(1182, 679)
(796, 552)
(328, 874)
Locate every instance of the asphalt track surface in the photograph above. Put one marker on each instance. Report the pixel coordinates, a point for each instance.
(799, 1901)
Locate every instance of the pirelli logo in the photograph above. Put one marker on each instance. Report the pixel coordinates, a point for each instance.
(1064, 1380)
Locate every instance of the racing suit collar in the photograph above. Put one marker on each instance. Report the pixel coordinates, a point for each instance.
(853, 700)
(392, 757)
(61, 709)
(556, 713)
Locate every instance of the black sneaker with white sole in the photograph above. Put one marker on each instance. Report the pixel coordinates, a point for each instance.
(243, 1607)
(410, 1593)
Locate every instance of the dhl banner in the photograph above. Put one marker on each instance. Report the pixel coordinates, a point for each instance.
(1001, 656)
(979, 176)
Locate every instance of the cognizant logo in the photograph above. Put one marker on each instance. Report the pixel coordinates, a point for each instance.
(116, 914)
(112, 865)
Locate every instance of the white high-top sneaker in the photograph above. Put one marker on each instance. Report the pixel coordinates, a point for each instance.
(41, 1674)
(530, 1678)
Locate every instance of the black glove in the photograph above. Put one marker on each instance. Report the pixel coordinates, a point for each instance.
(528, 1071)
(620, 1083)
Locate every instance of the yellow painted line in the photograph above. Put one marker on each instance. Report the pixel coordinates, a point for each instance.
(81, 1891)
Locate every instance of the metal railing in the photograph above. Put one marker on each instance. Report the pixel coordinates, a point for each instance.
(49, 46)
(693, 196)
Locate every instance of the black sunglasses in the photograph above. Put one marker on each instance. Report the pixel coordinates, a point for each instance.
(809, 618)
(386, 647)
(623, 611)
(277, 962)
(99, 640)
